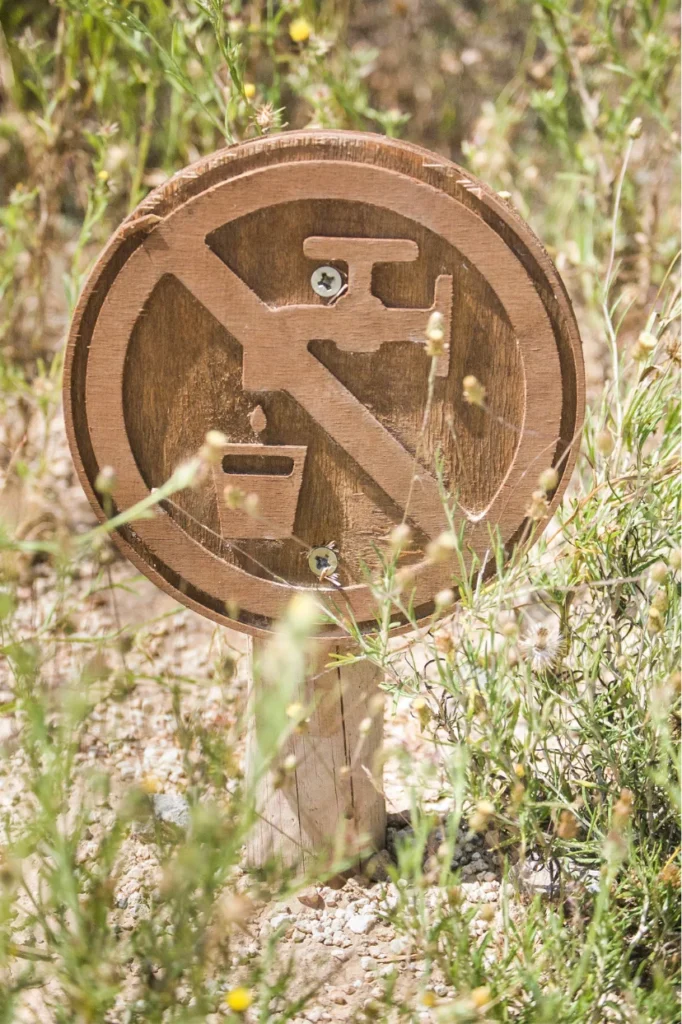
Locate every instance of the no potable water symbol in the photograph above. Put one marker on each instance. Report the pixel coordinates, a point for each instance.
(279, 292)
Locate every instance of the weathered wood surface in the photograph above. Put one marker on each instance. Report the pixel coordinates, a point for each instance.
(200, 316)
(330, 804)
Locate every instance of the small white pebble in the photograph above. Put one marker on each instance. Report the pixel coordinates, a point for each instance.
(360, 924)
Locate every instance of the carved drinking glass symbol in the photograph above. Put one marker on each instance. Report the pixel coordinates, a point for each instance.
(273, 473)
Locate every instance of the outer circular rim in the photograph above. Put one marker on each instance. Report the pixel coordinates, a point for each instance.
(197, 179)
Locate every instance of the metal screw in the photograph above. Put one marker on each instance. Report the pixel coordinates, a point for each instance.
(323, 560)
(327, 282)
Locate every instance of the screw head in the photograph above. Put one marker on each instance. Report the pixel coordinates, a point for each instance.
(323, 560)
(326, 282)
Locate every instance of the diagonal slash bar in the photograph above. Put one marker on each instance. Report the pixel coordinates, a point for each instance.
(277, 359)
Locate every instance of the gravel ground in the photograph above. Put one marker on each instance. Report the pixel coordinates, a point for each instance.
(340, 937)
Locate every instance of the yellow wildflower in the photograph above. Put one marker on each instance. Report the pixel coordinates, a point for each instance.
(239, 999)
(300, 30)
(480, 996)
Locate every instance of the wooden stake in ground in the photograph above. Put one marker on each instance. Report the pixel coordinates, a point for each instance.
(278, 294)
(323, 793)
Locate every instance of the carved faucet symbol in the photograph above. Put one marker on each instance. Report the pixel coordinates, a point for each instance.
(358, 321)
(366, 322)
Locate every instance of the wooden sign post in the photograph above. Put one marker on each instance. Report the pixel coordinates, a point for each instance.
(279, 292)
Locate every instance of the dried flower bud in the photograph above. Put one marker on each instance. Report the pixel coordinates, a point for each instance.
(444, 599)
(660, 600)
(644, 346)
(670, 875)
(435, 335)
(104, 551)
(622, 809)
(105, 480)
(658, 572)
(251, 504)
(289, 764)
(544, 645)
(548, 480)
(399, 537)
(295, 711)
(189, 473)
(517, 794)
(445, 644)
(234, 497)
(481, 815)
(655, 621)
(635, 128)
(266, 117)
(215, 439)
(538, 506)
(675, 559)
(454, 896)
(421, 708)
(648, 341)
(213, 447)
(365, 726)
(303, 614)
(473, 391)
(440, 549)
(568, 825)
(604, 443)
(376, 705)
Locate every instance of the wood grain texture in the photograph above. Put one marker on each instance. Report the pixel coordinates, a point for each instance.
(329, 802)
(201, 312)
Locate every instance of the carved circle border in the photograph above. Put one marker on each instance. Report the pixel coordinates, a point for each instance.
(524, 307)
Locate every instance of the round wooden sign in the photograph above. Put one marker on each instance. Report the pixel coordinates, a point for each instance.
(280, 292)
